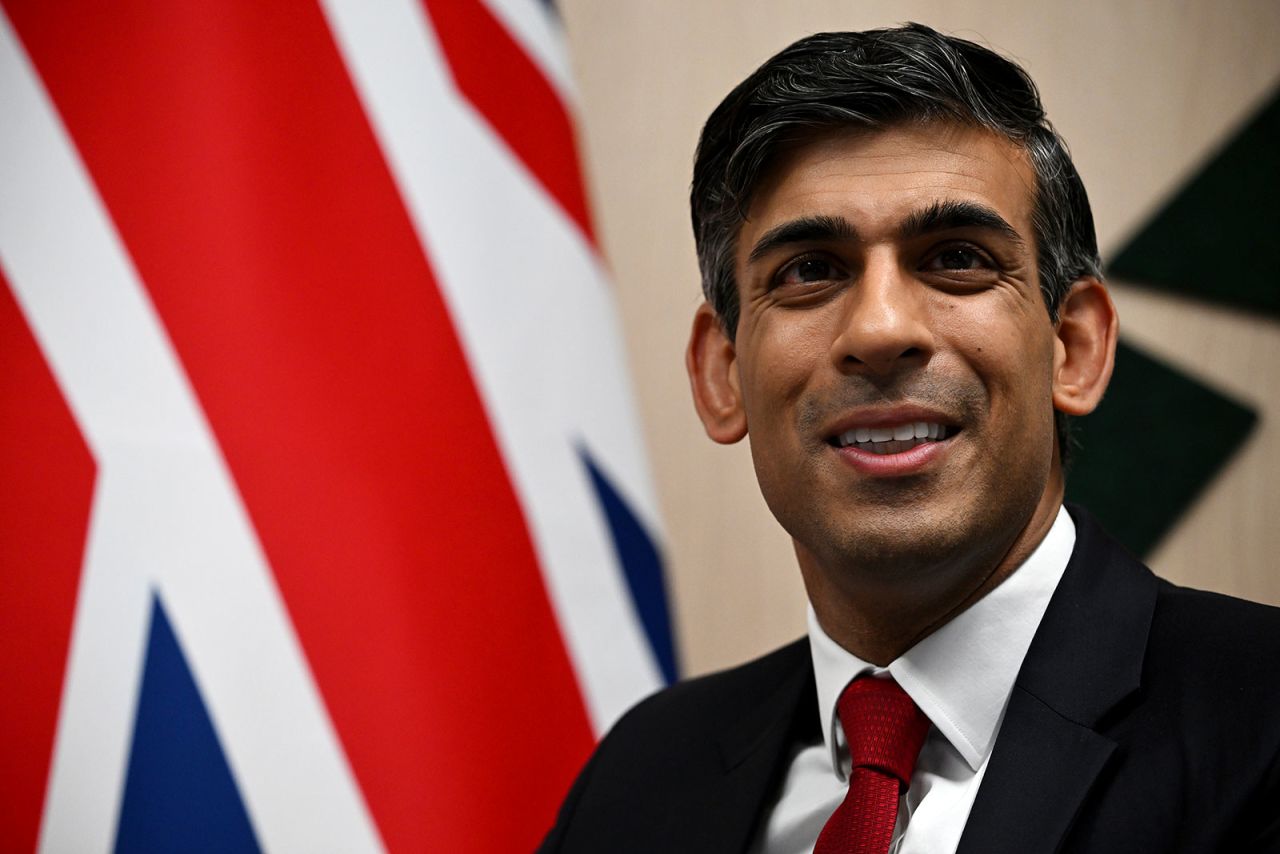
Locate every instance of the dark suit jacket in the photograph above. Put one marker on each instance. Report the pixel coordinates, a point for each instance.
(1145, 718)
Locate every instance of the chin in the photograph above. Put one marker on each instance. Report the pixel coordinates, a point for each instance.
(896, 547)
(898, 543)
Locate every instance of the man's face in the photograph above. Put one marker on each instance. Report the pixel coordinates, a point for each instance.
(894, 356)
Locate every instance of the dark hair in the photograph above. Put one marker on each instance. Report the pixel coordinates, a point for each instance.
(876, 79)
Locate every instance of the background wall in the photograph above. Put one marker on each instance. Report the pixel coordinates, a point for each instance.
(1144, 92)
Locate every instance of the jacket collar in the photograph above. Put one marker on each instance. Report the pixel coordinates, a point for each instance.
(1085, 660)
(755, 748)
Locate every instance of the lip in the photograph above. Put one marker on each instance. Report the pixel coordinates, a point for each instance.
(907, 462)
(882, 416)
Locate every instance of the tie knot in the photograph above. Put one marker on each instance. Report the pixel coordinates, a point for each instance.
(884, 727)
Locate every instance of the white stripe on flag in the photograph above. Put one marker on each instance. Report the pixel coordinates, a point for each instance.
(538, 32)
(536, 318)
(166, 516)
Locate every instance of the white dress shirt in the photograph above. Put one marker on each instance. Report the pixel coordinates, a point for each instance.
(960, 676)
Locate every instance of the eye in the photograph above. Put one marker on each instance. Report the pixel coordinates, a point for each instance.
(959, 259)
(808, 270)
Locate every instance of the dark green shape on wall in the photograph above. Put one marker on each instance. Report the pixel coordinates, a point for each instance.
(1156, 441)
(1160, 436)
(1216, 238)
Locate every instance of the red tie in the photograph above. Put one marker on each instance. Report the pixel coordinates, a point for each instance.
(885, 731)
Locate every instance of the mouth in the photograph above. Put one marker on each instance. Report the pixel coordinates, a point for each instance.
(885, 439)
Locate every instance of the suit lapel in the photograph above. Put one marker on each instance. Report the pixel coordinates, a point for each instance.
(1042, 768)
(1085, 659)
(754, 749)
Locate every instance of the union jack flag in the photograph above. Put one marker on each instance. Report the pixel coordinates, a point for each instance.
(324, 520)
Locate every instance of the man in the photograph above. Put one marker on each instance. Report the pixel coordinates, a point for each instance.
(904, 306)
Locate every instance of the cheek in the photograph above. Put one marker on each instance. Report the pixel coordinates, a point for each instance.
(781, 359)
(1014, 362)
(1022, 386)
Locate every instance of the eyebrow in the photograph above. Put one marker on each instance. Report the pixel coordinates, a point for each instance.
(948, 215)
(808, 229)
(939, 216)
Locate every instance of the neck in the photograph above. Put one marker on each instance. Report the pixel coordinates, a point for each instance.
(878, 620)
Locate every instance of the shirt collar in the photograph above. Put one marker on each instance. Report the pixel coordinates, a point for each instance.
(962, 674)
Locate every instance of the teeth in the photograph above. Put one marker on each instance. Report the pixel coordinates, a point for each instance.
(892, 440)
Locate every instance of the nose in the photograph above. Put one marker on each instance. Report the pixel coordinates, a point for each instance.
(885, 322)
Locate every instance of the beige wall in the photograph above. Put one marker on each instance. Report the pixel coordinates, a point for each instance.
(1142, 91)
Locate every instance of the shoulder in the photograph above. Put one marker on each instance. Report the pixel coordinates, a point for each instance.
(1195, 625)
(706, 699)
(1193, 637)
(1217, 645)
(1214, 621)
(1183, 686)
(1204, 727)
(686, 720)
(672, 749)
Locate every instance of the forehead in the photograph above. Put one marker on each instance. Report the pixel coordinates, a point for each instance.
(875, 178)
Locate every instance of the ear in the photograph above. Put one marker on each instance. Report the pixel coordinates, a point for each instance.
(711, 361)
(1085, 350)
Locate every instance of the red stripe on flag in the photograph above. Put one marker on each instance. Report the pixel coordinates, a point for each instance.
(232, 152)
(47, 475)
(493, 72)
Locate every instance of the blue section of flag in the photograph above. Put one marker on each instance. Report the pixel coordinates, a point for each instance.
(179, 794)
(641, 565)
